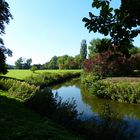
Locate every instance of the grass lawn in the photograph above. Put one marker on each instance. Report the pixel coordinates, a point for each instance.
(17, 122)
(22, 74)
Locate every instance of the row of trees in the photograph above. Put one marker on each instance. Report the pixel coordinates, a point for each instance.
(64, 62)
(69, 62)
(57, 62)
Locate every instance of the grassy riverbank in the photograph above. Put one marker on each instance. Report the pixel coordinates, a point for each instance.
(122, 89)
(19, 122)
(43, 78)
(19, 100)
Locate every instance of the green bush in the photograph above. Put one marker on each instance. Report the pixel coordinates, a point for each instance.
(89, 79)
(120, 91)
(33, 69)
(47, 78)
(53, 107)
(18, 89)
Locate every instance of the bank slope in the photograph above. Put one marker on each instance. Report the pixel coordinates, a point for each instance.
(19, 122)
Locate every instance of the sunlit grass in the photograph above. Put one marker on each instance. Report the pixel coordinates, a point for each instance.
(22, 74)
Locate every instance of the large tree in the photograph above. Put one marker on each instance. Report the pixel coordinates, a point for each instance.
(121, 24)
(53, 64)
(27, 64)
(5, 17)
(22, 63)
(19, 63)
(83, 50)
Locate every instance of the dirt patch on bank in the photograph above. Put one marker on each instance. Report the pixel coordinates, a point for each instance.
(123, 79)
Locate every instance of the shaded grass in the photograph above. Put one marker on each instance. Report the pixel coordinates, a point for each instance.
(23, 74)
(19, 122)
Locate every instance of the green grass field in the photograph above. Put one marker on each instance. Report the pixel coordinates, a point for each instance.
(22, 74)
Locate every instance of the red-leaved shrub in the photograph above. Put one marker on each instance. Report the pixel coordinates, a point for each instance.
(108, 64)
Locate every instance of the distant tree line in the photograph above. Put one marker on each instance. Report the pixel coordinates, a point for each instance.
(64, 62)
(56, 62)
(69, 62)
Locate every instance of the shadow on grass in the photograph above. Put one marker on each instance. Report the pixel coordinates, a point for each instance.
(19, 122)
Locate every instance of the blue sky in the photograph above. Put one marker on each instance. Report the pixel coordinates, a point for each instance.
(44, 28)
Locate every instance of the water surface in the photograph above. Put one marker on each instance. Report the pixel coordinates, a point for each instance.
(92, 106)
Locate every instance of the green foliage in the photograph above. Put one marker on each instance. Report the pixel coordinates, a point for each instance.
(135, 61)
(25, 124)
(3, 67)
(98, 46)
(42, 102)
(121, 24)
(17, 89)
(21, 63)
(134, 50)
(53, 64)
(63, 62)
(5, 17)
(88, 79)
(83, 50)
(46, 104)
(33, 69)
(78, 61)
(27, 64)
(45, 79)
(120, 91)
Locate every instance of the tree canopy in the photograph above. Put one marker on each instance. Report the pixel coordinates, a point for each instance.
(121, 24)
(5, 17)
(22, 63)
(98, 46)
(83, 50)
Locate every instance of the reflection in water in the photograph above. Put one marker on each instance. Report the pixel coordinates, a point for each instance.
(70, 90)
(124, 109)
(92, 106)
